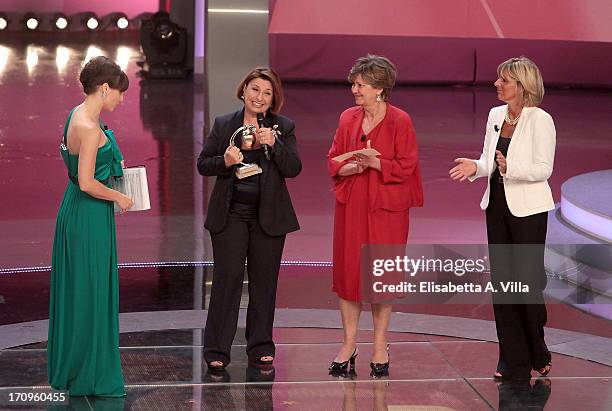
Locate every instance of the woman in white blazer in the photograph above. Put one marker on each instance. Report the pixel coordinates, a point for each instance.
(517, 159)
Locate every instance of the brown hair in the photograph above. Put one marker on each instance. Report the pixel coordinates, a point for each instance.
(377, 71)
(265, 73)
(100, 70)
(528, 78)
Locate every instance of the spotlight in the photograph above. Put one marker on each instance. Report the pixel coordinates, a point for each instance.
(122, 23)
(3, 23)
(164, 44)
(60, 21)
(92, 23)
(31, 21)
(115, 21)
(84, 21)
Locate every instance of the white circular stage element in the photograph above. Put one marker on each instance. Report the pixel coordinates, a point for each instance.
(586, 203)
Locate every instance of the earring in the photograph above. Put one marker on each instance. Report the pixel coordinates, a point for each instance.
(242, 97)
(378, 98)
(103, 94)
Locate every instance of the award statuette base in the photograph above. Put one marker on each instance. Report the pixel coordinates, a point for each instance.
(247, 170)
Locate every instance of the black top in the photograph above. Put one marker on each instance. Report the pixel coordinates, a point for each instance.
(502, 145)
(246, 190)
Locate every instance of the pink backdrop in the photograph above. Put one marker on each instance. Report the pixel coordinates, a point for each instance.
(100, 7)
(573, 20)
(443, 41)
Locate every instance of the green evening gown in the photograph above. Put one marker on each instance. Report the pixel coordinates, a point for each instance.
(83, 350)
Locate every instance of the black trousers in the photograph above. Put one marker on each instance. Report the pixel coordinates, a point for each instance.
(242, 239)
(516, 251)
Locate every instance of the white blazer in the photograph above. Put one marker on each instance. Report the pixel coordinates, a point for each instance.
(529, 161)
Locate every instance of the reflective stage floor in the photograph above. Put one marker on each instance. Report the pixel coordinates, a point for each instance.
(442, 356)
(427, 372)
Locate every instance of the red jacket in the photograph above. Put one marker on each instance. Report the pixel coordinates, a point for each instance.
(397, 186)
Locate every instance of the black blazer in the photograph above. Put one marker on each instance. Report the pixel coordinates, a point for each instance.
(276, 214)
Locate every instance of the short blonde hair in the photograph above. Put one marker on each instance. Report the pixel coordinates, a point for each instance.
(528, 76)
(377, 71)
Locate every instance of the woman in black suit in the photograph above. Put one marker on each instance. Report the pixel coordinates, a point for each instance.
(248, 218)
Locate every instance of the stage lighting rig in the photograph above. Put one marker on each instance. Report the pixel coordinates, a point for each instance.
(164, 44)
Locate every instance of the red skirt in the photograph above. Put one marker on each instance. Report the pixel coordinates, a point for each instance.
(356, 226)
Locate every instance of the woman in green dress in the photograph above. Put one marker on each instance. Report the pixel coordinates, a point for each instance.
(83, 349)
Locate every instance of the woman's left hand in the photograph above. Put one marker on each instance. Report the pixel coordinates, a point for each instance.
(501, 161)
(265, 136)
(368, 161)
(365, 161)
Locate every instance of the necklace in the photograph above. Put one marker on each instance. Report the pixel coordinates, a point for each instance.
(512, 122)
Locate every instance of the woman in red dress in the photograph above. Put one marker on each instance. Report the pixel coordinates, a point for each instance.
(373, 197)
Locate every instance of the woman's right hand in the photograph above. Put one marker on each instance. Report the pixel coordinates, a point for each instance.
(232, 156)
(350, 168)
(465, 168)
(125, 203)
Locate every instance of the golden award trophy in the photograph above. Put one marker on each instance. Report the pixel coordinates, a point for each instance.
(248, 138)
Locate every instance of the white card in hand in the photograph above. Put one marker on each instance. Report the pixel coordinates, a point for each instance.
(134, 185)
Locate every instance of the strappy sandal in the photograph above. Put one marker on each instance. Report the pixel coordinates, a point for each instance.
(544, 371)
(216, 368)
(260, 361)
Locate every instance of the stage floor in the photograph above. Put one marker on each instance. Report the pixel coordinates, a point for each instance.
(164, 371)
(441, 356)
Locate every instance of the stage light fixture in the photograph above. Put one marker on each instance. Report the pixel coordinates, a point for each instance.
(122, 23)
(92, 23)
(3, 23)
(31, 21)
(164, 44)
(84, 21)
(115, 21)
(60, 21)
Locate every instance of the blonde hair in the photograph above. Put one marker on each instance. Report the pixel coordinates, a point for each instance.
(528, 78)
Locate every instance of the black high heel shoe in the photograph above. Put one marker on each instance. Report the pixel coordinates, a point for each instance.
(259, 361)
(380, 369)
(544, 371)
(216, 368)
(337, 367)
